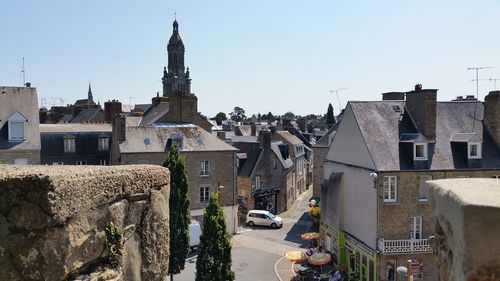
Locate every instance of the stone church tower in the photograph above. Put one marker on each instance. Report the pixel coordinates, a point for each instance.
(175, 76)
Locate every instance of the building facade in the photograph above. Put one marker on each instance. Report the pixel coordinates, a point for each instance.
(375, 214)
(19, 122)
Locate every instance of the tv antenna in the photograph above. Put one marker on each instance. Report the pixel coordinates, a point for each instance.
(130, 100)
(336, 91)
(494, 80)
(23, 72)
(477, 68)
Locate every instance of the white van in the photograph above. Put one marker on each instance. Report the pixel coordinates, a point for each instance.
(261, 217)
(194, 234)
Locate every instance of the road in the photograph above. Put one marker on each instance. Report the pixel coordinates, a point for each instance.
(257, 249)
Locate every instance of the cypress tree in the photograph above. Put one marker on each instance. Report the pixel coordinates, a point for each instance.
(179, 212)
(330, 119)
(214, 256)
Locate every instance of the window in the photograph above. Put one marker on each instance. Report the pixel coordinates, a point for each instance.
(328, 242)
(83, 162)
(390, 189)
(474, 150)
(420, 151)
(103, 162)
(57, 163)
(423, 187)
(69, 143)
(21, 161)
(257, 182)
(496, 177)
(415, 227)
(205, 168)
(204, 194)
(103, 144)
(17, 127)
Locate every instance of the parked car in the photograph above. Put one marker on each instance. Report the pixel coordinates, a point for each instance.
(194, 234)
(265, 218)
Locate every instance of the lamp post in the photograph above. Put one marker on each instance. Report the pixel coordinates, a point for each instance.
(219, 187)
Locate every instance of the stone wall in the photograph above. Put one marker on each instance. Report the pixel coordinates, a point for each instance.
(8, 156)
(318, 168)
(53, 221)
(466, 213)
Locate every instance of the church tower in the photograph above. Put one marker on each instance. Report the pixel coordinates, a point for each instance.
(175, 76)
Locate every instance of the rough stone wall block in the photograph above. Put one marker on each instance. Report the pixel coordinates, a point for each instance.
(466, 214)
(53, 220)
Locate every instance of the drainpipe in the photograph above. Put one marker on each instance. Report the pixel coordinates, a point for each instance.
(235, 223)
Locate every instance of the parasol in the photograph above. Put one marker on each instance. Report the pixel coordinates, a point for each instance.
(309, 236)
(296, 256)
(319, 259)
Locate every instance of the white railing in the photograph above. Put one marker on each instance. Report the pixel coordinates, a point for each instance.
(402, 246)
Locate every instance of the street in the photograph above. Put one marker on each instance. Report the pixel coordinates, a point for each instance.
(257, 249)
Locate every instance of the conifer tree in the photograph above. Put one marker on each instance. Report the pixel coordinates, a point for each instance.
(214, 255)
(330, 118)
(179, 212)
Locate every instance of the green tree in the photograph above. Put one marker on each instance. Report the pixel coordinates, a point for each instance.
(179, 212)
(289, 115)
(270, 116)
(214, 255)
(238, 114)
(330, 119)
(221, 116)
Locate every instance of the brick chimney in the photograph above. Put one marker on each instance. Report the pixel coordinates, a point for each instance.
(253, 128)
(221, 135)
(421, 104)
(119, 123)
(265, 140)
(111, 109)
(492, 114)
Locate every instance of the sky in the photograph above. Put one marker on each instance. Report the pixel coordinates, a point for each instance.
(263, 56)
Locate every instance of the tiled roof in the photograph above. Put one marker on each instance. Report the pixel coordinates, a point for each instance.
(154, 113)
(252, 151)
(62, 128)
(289, 137)
(90, 114)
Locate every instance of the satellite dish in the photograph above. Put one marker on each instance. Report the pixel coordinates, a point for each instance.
(402, 270)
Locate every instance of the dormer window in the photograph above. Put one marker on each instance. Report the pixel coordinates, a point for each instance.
(474, 150)
(69, 143)
(420, 151)
(17, 127)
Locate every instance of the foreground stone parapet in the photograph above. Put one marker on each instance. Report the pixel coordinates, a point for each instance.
(467, 225)
(53, 220)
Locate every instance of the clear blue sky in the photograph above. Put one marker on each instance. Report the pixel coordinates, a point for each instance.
(263, 56)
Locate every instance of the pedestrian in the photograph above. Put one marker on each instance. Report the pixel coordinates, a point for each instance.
(272, 210)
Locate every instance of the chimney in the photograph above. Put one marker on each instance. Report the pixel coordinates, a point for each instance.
(272, 128)
(421, 105)
(28, 84)
(393, 96)
(265, 140)
(470, 97)
(111, 109)
(492, 114)
(254, 129)
(221, 135)
(119, 123)
(302, 124)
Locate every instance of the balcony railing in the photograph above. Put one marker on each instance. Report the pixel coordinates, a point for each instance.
(403, 246)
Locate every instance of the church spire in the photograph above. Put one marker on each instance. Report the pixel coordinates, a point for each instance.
(90, 99)
(175, 77)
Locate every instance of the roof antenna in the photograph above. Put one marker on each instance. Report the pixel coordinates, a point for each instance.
(477, 91)
(336, 91)
(24, 74)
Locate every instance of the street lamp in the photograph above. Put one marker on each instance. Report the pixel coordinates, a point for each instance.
(406, 271)
(219, 187)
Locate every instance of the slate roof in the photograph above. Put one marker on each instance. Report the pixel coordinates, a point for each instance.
(252, 151)
(83, 102)
(286, 163)
(143, 139)
(325, 140)
(142, 107)
(154, 113)
(289, 137)
(89, 115)
(381, 129)
(70, 128)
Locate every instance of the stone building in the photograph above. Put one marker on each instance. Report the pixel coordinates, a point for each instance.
(265, 173)
(19, 132)
(375, 213)
(297, 152)
(320, 150)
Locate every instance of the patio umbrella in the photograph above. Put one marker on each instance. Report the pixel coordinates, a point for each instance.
(296, 256)
(309, 236)
(319, 259)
